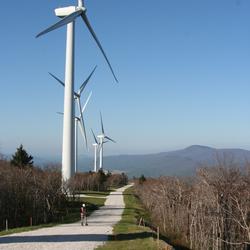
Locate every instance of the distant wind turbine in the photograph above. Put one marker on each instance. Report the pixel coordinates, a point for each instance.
(79, 120)
(101, 137)
(96, 146)
(69, 15)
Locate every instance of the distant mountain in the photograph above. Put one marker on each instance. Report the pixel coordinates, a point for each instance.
(180, 162)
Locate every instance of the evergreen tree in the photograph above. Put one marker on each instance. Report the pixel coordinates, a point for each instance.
(142, 179)
(21, 158)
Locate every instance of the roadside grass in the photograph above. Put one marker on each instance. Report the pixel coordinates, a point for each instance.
(126, 234)
(72, 214)
(92, 203)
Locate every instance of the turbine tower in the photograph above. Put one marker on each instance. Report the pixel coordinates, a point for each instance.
(69, 15)
(101, 137)
(95, 145)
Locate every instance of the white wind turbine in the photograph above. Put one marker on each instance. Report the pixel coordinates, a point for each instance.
(78, 121)
(77, 97)
(101, 137)
(69, 15)
(95, 145)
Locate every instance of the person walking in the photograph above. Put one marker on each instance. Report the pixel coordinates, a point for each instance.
(83, 214)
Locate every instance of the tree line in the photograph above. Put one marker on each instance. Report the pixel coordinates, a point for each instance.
(29, 192)
(99, 181)
(209, 211)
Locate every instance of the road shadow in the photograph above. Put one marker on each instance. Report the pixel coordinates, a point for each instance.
(53, 238)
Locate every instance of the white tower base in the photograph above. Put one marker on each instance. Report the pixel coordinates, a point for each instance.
(68, 157)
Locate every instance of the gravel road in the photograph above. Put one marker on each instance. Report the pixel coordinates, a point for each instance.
(72, 236)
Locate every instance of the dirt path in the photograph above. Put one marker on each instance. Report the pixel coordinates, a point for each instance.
(72, 236)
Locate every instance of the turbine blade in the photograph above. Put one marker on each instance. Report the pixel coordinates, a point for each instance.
(82, 87)
(102, 124)
(94, 137)
(60, 113)
(106, 137)
(82, 121)
(86, 103)
(68, 19)
(86, 21)
(83, 132)
(79, 106)
(61, 82)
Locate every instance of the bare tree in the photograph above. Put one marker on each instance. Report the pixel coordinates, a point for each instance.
(210, 211)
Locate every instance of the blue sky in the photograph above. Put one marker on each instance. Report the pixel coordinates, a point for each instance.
(182, 65)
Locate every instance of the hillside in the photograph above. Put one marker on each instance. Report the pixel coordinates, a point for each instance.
(180, 162)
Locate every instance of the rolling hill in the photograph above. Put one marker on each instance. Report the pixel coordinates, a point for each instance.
(180, 162)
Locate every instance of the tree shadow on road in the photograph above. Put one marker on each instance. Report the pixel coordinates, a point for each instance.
(53, 238)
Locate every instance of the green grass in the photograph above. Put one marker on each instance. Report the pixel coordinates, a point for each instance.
(93, 203)
(73, 214)
(126, 234)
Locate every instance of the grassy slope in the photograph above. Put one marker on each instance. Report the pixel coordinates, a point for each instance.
(72, 216)
(127, 235)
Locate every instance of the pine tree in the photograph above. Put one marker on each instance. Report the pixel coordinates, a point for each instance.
(21, 158)
(142, 179)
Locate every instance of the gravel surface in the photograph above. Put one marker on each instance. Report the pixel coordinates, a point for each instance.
(72, 236)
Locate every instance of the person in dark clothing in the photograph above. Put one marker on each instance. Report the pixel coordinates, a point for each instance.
(83, 214)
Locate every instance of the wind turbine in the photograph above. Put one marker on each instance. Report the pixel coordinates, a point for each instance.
(77, 97)
(95, 145)
(69, 15)
(101, 142)
(78, 121)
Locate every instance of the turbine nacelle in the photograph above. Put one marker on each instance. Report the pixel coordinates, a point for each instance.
(101, 136)
(65, 11)
(69, 15)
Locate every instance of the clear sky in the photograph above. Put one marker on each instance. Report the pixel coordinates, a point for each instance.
(183, 68)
